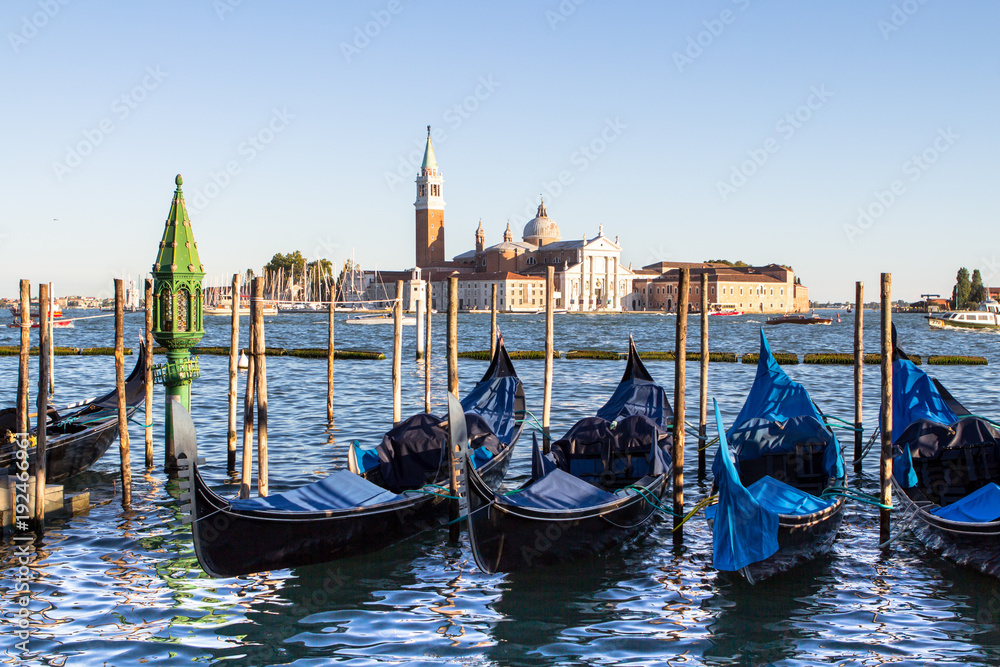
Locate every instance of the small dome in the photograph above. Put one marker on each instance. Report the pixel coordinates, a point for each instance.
(541, 229)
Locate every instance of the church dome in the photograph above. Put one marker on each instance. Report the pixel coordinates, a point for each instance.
(541, 229)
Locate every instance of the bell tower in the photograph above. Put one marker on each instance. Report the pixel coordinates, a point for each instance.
(430, 210)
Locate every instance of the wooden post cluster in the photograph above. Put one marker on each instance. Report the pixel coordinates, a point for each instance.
(42, 404)
(234, 352)
(329, 357)
(680, 368)
(885, 464)
(427, 354)
(703, 380)
(549, 353)
(22, 368)
(397, 351)
(260, 379)
(248, 399)
(453, 335)
(125, 459)
(148, 372)
(859, 353)
(493, 320)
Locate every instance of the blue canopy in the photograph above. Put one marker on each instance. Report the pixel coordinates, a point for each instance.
(340, 490)
(915, 397)
(493, 400)
(637, 397)
(980, 506)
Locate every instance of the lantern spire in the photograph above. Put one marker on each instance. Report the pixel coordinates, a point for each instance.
(178, 251)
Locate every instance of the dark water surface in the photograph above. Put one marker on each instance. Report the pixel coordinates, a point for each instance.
(124, 588)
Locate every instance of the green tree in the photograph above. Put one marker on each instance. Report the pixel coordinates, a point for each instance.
(293, 260)
(977, 292)
(960, 295)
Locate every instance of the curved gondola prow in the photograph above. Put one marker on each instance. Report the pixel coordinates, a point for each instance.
(500, 364)
(135, 384)
(634, 369)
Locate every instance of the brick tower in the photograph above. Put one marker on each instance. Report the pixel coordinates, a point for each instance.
(430, 210)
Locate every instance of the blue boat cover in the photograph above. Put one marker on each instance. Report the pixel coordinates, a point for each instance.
(783, 498)
(340, 490)
(915, 397)
(558, 490)
(637, 397)
(744, 531)
(980, 506)
(493, 400)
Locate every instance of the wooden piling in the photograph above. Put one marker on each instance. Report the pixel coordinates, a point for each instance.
(493, 320)
(885, 464)
(52, 348)
(703, 380)
(124, 458)
(148, 372)
(420, 326)
(453, 335)
(248, 400)
(550, 282)
(329, 357)
(42, 403)
(260, 379)
(22, 368)
(859, 364)
(679, 375)
(234, 353)
(427, 354)
(397, 351)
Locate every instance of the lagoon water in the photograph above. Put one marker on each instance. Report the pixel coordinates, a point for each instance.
(116, 588)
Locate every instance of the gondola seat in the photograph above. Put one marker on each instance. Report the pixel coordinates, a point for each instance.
(609, 454)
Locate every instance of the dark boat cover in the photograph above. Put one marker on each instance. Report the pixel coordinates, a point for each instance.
(559, 490)
(982, 506)
(494, 401)
(637, 397)
(598, 451)
(340, 490)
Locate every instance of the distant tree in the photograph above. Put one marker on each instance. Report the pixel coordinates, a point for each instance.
(737, 263)
(960, 295)
(977, 293)
(293, 260)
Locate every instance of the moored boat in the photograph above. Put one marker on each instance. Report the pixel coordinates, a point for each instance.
(798, 319)
(599, 485)
(388, 493)
(379, 318)
(225, 307)
(770, 473)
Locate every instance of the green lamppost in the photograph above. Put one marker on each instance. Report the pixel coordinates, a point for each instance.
(177, 311)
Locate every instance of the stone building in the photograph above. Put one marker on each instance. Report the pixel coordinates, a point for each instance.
(753, 289)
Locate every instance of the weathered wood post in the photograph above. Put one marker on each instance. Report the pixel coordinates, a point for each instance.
(246, 469)
(427, 354)
(885, 465)
(549, 352)
(42, 403)
(859, 353)
(22, 368)
(680, 368)
(329, 356)
(52, 347)
(124, 458)
(397, 351)
(234, 353)
(493, 320)
(260, 378)
(453, 335)
(420, 324)
(148, 372)
(703, 380)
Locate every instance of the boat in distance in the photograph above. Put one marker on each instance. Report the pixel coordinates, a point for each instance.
(986, 317)
(798, 319)
(387, 494)
(599, 485)
(380, 318)
(225, 307)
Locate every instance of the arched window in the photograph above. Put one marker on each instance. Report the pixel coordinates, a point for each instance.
(166, 310)
(183, 302)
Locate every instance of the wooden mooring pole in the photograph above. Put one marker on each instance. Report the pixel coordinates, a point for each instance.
(680, 368)
(234, 353)
(885, 464)
(52, 347)
(148, 372)
(549, 353)
(397, 351)
(124, 458)
(420, 325)
(329, 357)
(427, 354)
(248, 399)
(260, 379)
(493, 320)
(42, 403)
(859, 364)
(703, 380)
(453, 335)
(22, 368)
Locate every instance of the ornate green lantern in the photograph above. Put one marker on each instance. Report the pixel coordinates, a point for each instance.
(177, 308)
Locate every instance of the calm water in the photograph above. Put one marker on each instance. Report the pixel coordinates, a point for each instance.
(124, 588)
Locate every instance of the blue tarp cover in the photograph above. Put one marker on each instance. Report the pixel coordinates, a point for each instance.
(783, 498)
(340, 490)
(743, 531)
(915, 397)
(981, 506)
(494, 402)
(559, 490)
(637, 397)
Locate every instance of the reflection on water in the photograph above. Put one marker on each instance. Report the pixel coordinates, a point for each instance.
(123, 588)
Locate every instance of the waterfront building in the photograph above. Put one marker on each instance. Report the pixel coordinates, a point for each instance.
(758, 289)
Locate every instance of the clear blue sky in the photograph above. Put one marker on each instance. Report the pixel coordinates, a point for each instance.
(740, 130)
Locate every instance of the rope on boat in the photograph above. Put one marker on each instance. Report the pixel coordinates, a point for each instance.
(699, 506)
(844, 424)
(907, 520)
(535, 425)
(432, 493)
(648, 496)
(985, 419)
(853, 494)
(871, 442)
(136, 421)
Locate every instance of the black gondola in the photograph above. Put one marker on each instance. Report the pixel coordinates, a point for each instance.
(946, 470)
(771, 513)
(598, 486)
(76, 440)
(387, 494)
